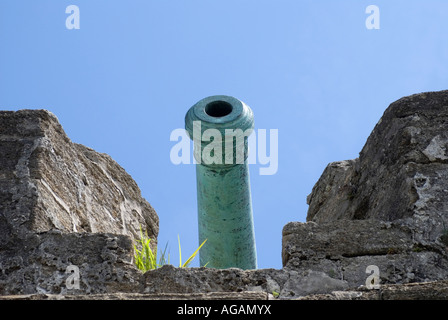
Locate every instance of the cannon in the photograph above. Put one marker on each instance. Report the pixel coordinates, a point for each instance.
(219, 127)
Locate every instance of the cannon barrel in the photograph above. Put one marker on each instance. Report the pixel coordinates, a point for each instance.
(219, 127)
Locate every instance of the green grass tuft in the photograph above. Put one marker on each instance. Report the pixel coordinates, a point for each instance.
(146, 259)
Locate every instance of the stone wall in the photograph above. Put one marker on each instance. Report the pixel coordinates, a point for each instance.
(388, 208)
(53, 192)
(64, 204)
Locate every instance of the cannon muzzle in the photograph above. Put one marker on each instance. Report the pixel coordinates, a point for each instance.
(219, 127)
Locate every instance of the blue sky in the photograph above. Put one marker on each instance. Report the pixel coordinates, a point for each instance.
(311, 69)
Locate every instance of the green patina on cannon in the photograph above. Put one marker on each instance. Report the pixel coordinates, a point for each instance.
(220, 126)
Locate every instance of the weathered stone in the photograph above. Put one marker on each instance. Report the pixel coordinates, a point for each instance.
(333, 240)
(244, 295)
(435, 290)
(343, 249)
(401, 172)
(63, 204)
(47, 184)
(40, 264)
(388, 208)
(282, 283)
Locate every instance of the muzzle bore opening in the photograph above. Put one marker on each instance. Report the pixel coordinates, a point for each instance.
(218, 109)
